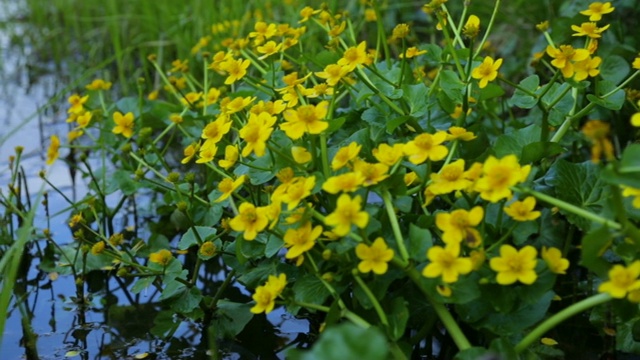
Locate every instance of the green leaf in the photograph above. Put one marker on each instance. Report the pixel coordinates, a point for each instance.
(630, 162)
(525, 315)
(274, 244)
(560, 108)
(335, 124)
(398, 318)
(613, 101)
(231, 318)
(310, 289)
(164, 324)
(195, 233)
(614, 68)
(417, 98)
(395, 122)
(121, 180)
(420, 241)
(142, 283)
(490, 91)
(539, 150)
(503, 348)
(129, 104)
(472, 353)
(514, 142)
(594, 245)
(188, 300)
(452, 86)
(520, 98)
(580, 185)
(346, 341)
(624, 338)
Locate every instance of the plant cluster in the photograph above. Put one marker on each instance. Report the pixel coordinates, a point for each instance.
(385, 187)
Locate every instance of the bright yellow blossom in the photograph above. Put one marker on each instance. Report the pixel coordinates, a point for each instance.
(446, 262)
(98, 248)
(99, 84)
(54, 150)
(587, 68)
(375, 257)
(523, 210)
(400, 31)
(564, 56)
(598, 132)
(628, 192)
(305, 119)
(124, 124)
(589, 29)
(622, 280)
(354, 56)
(300, 154)
(498, 176)
(77, 103)
(268, 49)
(266, 294)
(513, 265)
(597, 9)
(371, 173)
(472, 27)
(230, 157)
(300, 240)
(250, 220)
(332, 74)
(636, 63)
(207, 249)
(83, 119)
(236, 69)
(460, 133)
(635, 119)
(458, 226)
(450, 178)
(215, 130)
(426, 146)
(347, 213)
(487, 71)
(227, 186)
(347, 182)
(207, 152)
(189, 152)
(344, 155)
(412, 52)
(294, 191)
(162, 257)
(256, 133)
(388, 155)
(555, 262)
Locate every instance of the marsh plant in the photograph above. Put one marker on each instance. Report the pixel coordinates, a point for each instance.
(399, 193)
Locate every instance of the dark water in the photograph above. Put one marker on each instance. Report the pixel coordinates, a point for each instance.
(114, 324)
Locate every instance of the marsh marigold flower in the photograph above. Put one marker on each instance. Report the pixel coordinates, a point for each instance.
(300, 154)
(256, 133)
(622, 280)
(426, 146)
(450, 178)
(236, 69)
(230, 157)
(446, 262)
(124, 124)
(598, 132)
(400, 31)
(250, 220)
(587, 68)
(54, 149)
(207, 152)
(498, 176)
(162, 257)
(99, 84)
(227, 186)
(589, 29)
(189, 152)
(98, 248)
(301, 240)
(294, 191)
(486, 71)
(372, 174)
(632, 192)
(597, 9)
(564, 56)
(344, 155)
(305, 119)
(388, 155)
(635, 119)
(207, 249)
(460, 133)
(636, 63)
(513, 265)
(354, 56)
(215, 130)
(412, 52)
(458, 226)
(523, 210)
(375, 257)
(555, 262)
(266, 294)
(77, 103)
(472, 27)
(347, 213)
(347, 182)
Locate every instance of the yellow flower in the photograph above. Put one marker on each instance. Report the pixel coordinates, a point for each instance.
(622, 280)
(523, 210)
(487, 71)
(344, 155)
(300, 154)
(99, 84)
(388, 155)
(598, 132)
(354, 56)
(332, 74)
(589, 29)
(636, 63)
(176, 118)
(98, 248)
(543, 26)
(227, 186)
(230, 157)
(554, 260)
(347, 213)
(207, 249)
(400, 31)
(446, 262)
(306, 13)
(73, 135)
(460, 133)
(513, 265)
(472, 27)
(77, 103)
(294, 191)
(305, 119)
(370, 15)
(426, 146)
(207, 152)
(250, 220)
(54, 150)
(215, 130)
(412, 52)
(236, 69)
(564, 56)
(124, 124)
(597, 9)
(587, 68)
(347, 182)
(153, 95)
(84, 119)
(266, 294)
(268, 49)
(301, 240)
(450, 178)
(635, 119)
(189, 152)
(162, 257)
(371, 173)
(256, 133)
(410, 178)
(375, 257)
(498, 176)
(629, 191)
(191, 98)
(458, 226)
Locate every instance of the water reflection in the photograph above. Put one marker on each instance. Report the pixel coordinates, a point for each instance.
(99, 318)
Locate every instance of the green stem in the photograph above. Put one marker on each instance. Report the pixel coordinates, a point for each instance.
(570, 208)
(395, 226)
(621, 86)
(569, 120)
(372, 298)
(563, 315)
(489, 27)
